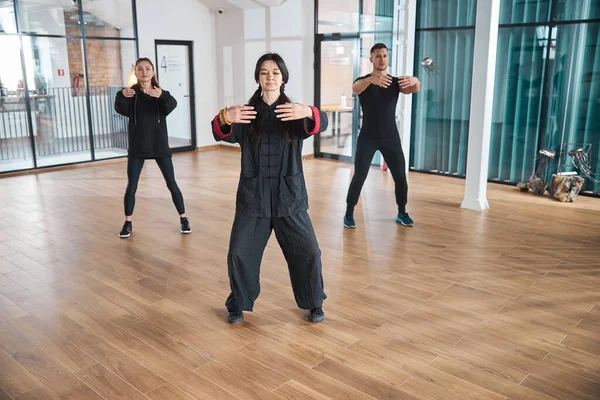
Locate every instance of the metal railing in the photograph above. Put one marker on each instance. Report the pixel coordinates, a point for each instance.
(60, 122)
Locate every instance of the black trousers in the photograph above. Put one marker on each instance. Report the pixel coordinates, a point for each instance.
(134, 169)
(391, 149)
(296, 237)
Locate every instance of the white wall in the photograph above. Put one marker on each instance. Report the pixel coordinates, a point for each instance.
(405, 23)
(185, 20)
(128, 55)
(244, 35)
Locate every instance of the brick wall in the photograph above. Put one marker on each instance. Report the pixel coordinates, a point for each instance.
(104, 56)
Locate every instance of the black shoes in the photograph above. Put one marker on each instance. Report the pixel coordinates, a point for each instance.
(235, 317)
(316, 315)
(126, 230)
(127, 227)
(185, 225)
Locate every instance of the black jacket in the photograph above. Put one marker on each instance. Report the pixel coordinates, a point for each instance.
(271, 179)
(147, 123)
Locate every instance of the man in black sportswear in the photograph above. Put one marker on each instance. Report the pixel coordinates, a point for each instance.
(378, 93)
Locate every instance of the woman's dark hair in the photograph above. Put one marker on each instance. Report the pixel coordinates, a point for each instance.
(286, 128)
(154, 81)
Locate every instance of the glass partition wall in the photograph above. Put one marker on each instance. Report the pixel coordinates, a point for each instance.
(345, 32)
(546, 91)
(63, 62)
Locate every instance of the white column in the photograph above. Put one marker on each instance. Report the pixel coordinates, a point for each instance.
(482, 97)
(405, 24)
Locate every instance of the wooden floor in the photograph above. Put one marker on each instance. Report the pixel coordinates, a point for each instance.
(465, 305)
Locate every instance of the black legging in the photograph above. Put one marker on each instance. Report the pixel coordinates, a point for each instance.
(134, 169)
(391, 149)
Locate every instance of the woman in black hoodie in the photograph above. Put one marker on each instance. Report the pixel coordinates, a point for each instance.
(147, 106)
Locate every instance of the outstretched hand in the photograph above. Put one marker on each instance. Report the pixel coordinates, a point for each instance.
(293, 111)
(128, 92)
(240, 114)
(381, 79)
(406, 82)
(154, 92)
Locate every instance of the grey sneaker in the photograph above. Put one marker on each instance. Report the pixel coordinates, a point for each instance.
(316, 315)
(235, 317)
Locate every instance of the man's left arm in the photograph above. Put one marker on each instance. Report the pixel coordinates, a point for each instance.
(409, 84)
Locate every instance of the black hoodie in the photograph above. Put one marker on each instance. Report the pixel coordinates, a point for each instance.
(147, 122)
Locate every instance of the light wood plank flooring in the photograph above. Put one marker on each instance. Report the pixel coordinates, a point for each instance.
(465, 305)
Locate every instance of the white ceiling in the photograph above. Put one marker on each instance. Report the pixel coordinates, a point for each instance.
(115, 12)
(118, 12)
(227, 5)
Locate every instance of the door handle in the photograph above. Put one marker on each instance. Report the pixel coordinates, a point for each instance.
(187, 95)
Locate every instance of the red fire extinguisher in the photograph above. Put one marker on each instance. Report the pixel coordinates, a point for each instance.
(76, 82)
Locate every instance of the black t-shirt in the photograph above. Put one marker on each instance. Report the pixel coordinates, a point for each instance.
(379, 109)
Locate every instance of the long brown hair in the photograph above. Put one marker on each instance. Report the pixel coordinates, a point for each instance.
(154, 81)
(286, 128)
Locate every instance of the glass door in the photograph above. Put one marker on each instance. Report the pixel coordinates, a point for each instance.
(174, 70)
(337, 69)
(16, 152)
(344, 34)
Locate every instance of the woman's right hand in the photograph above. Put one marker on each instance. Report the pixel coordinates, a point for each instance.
(128, 92)
(240, 114)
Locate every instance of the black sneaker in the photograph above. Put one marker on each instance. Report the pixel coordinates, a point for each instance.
(316, 315)
(235, 317)
(185, 225)
(126, 230)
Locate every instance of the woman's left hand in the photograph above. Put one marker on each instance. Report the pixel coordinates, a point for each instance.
(293, 111)
(155, 92)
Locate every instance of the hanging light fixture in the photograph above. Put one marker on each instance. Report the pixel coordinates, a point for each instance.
(132, 80)
(428, 65)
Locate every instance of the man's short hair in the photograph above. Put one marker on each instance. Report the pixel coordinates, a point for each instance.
(378, 46)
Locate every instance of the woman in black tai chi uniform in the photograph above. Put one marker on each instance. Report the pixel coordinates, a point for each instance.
(271, 192)
(147, 106)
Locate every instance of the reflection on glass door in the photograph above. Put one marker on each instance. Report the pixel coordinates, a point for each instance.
(174, 72)
(15, 141)
(338, 71)
(57, 86)
(571, 118)
(110, 129)
(55, 78)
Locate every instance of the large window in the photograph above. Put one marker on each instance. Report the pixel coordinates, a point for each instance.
(547, 85)
(546, 90)
(59, 74)
(572, 90)
(516, 119)
(440, 123)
